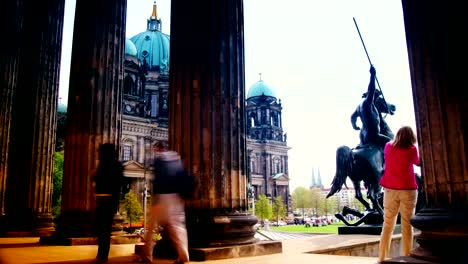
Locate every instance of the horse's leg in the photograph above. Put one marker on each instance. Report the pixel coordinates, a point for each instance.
(373, 197)
(358, 195)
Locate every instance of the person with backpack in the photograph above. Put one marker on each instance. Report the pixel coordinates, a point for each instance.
(168, 205)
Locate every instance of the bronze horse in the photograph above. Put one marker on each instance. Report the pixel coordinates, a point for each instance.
(364, 163)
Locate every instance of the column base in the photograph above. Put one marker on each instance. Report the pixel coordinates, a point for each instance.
(74, 223)
(207, 229)
(27, 224)
(75, 227)
(215, 253)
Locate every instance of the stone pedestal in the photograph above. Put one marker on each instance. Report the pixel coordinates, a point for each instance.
(365, 230)
(226, 252)
(249, 250)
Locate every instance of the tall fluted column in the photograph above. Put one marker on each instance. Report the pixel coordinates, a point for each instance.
(207, 117)
(33, 119)
(440, 97)
(12, 19)
(94, 105)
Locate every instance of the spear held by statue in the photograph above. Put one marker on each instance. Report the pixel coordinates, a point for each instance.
(368, 58)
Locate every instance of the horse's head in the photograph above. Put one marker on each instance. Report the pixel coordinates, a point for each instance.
(382, 105)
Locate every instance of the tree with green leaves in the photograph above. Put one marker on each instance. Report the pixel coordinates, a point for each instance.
(57, 184)
(61, 130)
(263, 208)
(131, 208)
(316, 201)
(279, 208)
(329, 205)
(301, 199)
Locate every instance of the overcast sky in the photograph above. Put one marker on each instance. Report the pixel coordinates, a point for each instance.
(310, 53)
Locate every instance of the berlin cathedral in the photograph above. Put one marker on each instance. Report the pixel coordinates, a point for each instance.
(145, 118)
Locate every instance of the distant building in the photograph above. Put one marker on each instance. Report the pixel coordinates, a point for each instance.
(267, 144)
(346, 196)
(316, 183)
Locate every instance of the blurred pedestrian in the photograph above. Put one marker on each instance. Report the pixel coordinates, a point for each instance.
(168, 205)
(108, 180)
(400, 194)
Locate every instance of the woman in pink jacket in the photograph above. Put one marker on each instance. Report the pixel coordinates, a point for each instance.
(400, 189)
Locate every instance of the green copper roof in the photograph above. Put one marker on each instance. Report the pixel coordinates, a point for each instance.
(153, 47)
(259, 89)
(62, 108)
(130, 48)
(277, 175)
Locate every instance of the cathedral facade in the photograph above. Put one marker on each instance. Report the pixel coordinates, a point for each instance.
(145, 118)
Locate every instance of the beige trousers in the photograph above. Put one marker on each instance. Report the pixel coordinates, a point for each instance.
(394, 201)
(168, 211)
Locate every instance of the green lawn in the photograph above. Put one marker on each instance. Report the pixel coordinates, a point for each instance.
(330, 229)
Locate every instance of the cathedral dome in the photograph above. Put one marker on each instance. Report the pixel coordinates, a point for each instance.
(152, 45)
(62, 108)
(260, 88)
(130, 48)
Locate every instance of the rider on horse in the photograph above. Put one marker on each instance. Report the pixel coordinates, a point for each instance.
(371, 118)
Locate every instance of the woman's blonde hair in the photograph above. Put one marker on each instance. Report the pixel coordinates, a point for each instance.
(404, 138)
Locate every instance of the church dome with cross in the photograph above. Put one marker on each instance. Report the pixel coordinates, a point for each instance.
(260, 88)
(152, 45)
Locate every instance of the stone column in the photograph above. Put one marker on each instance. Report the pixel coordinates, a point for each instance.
(207, 117)
(94, 105)
(33, 118)
(433, 32)
(12, 19)
(141, 150)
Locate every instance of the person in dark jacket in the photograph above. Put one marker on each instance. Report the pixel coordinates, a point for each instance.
(168, 206)
(108, 180)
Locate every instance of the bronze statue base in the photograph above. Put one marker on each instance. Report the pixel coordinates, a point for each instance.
(365, 230)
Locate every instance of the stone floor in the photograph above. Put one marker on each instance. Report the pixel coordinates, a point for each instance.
(295, 250)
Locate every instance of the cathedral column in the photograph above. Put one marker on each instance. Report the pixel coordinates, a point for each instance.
(34, 76)
(440, 97)
(142, 150)
(94, 106)
(11, 15)
(207, 117)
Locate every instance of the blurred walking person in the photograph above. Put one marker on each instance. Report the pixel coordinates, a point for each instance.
(168, 205)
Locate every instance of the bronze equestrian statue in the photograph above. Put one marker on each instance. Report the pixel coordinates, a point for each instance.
(366, 161)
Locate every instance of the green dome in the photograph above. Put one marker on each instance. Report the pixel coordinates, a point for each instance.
(153, 47)
(130, 48)
(259, 89)
(62, 108)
